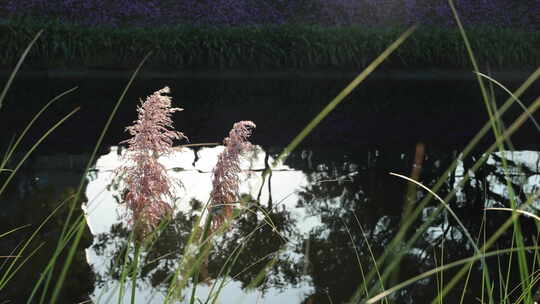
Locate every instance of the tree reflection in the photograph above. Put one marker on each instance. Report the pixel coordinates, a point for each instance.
(159, 259)
(360, 208)
(361, 205)
(255, 241)
(259, 239)
(32, 210)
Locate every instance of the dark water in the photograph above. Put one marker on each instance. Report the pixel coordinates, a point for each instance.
(344, 203)
(377, 113)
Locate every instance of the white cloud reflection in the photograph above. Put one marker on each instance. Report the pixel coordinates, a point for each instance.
(194, 171)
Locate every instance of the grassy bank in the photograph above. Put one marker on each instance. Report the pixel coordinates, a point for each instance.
(262, 48)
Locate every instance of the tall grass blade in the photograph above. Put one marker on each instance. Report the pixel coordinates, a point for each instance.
(13, 230)
(522, 261)
(3, 279)
(530, 214)
(454, 215)
(513, 219)
(511, 95)
(344, 93)
(372, 256)
(509, 221)
(34, 146)
(125, 268)
(69, 258)
(13, 147)
(436, 270)
(17, 67)
(357, 255)
(468, 149)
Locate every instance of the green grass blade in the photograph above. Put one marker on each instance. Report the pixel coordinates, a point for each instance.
(357, 255)
(436, 270)
(17, 67)
(397, 239)
(69, 258)
(13, 230)
(372, 256)
(344, 93)
(29, 125)
(34, 146)
(511, 95)
(3, 280)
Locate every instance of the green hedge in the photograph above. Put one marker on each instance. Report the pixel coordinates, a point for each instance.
(262, 48)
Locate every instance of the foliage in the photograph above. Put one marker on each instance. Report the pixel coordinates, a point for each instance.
(393, 251)
(262, 48)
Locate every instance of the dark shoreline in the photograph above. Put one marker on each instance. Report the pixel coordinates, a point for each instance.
(381, 74)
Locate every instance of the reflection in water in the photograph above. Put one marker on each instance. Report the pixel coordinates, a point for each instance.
(330, 214)
(263, 246)
(28, 202)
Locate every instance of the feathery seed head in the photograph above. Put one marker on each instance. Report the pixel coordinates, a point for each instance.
(225, 175)
(147, 185)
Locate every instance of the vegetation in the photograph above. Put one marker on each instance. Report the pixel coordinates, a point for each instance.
(379, 281)
(273, 47)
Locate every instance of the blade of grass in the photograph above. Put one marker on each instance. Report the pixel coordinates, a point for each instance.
(356, 253)
(3, 279)
(511, 95)
(454, 215)
(29, 125)
(517, 123)
(8, 147)
(71, 253)
(397, 239)
(13, 230)
(125, 268)
(344, 93)
(34, 146)
(530, 214)
(436, 270)
(48, 268)
(31, 254)
(493, 238)
(522, 261)
(135, 272)
(17, 67)
(470, 267)
(375, 264)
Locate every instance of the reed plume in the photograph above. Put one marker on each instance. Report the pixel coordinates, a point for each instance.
(225, 175)
(147, 185)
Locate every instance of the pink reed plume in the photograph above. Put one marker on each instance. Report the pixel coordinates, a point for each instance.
(225, 179)
(147, 185)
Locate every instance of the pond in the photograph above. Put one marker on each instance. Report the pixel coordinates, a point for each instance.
(314, 226)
